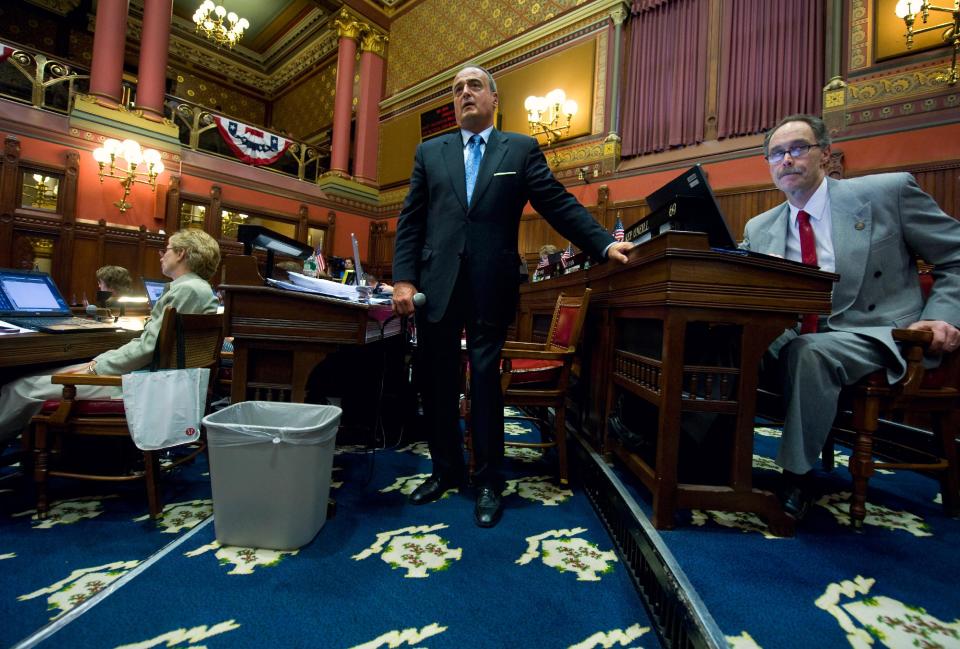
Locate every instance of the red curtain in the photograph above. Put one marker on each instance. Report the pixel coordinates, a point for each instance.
(665, 78)
(771, 63)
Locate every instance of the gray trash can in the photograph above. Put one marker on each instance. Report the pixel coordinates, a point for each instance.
(270, 467)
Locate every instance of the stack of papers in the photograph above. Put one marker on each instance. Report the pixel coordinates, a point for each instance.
(306, 284)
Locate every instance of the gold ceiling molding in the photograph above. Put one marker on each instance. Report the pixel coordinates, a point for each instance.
(550, 31)
(240, 65)
(59, 7)
(895, 87)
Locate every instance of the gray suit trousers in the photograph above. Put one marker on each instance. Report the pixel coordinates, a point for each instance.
(814, 369)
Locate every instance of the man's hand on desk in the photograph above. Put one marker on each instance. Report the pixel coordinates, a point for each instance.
(619, 250)
(403, 293)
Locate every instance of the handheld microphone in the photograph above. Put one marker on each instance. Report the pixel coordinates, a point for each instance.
(419, 299)
(92, 311)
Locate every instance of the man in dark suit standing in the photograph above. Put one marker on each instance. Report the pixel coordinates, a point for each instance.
(457, 243)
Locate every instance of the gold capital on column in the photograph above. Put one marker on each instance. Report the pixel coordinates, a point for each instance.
(619, 14)
(374, 42)
(348, 26)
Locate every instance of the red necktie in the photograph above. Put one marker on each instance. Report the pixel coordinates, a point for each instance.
(808, 255)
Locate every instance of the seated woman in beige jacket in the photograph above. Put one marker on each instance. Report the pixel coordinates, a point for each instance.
(191, 257)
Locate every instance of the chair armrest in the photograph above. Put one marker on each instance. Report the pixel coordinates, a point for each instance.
(86, 379)
(540, 355)
(516, 344)
(913, 336)
(913, 343)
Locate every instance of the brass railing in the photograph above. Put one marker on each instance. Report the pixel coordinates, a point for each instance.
(198, 131)
(42, 82)
(48, 84)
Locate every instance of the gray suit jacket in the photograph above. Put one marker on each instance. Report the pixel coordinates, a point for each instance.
(881, 223)
(437, 229)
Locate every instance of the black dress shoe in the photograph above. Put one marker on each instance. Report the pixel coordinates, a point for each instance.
(796, 502)
(795, 495)
(488, 509)
(429, 490)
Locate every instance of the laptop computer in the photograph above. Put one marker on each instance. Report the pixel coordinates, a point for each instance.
(31, 300)
(154, 288)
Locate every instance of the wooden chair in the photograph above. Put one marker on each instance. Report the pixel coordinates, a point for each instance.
(59, 420)
(933, 395)
(537, 375)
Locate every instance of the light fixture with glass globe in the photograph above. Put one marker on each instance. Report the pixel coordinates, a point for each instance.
(141, 166)
(908, 11)
(219, 25)
(551, 115)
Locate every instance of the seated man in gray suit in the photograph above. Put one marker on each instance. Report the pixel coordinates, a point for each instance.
(868, 230)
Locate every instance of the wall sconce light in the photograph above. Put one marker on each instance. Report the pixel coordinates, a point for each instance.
(550, 116)
(209, 18)
(908, 9)
(142, 166)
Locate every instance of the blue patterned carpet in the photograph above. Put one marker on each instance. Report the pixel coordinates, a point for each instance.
(381, 573)
(893, 585)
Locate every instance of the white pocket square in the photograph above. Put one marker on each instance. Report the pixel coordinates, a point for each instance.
(505, 173)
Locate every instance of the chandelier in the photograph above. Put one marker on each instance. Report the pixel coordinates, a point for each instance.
(908, 10)
(141, 166)
(550, 116)
(221, 27)
(44, 192)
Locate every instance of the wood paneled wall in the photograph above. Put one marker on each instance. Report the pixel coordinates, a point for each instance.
(940, 180)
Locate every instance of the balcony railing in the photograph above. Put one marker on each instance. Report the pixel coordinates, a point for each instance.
(33, 78)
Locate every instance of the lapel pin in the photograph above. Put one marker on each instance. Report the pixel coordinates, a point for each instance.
(860, 225)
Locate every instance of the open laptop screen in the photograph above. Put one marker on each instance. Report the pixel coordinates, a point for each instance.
(30, 293)
(154, 288)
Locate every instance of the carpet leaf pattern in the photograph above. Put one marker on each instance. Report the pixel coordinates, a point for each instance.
(612, 638)
(185, 636)
(80, 585)
(243, 560)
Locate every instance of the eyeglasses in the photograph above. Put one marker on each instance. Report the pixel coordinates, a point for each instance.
(795, 151)
(165, 251)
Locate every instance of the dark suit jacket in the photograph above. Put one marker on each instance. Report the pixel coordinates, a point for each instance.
(436, 229)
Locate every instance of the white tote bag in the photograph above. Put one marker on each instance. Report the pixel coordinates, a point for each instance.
(164, 408)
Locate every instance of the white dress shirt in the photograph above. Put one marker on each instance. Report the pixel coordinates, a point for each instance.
(818, 207)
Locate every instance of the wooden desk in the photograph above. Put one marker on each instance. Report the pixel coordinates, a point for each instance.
(18, 350)
(670, 283)
(280, 336)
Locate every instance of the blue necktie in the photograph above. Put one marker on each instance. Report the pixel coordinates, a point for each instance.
(473, 163)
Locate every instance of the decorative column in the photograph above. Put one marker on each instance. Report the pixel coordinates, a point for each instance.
(611, 145)
(368, 112)
(349, 30)
(835, 92)
(154, 45)
(109, 40)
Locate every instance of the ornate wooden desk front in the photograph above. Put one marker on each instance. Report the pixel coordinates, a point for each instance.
(638, 341)
(280, 336)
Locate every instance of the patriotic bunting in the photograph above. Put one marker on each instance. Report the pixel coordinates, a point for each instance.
(251, 144)
(5, 52)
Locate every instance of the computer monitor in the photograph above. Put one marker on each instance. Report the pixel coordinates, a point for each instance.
(686, 203)
(257, 236)
(154, 289)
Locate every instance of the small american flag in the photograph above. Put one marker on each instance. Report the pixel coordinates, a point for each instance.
(618, 230)
(321, 261)
(567, 255)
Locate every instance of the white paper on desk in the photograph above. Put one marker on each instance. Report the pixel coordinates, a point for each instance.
(316, 285)
(7, 328)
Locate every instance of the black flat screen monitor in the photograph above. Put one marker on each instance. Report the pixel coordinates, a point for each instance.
(688, 203)
(257, 236)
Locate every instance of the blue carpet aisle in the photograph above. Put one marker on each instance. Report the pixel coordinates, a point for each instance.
(381, 572)
(894, 585)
